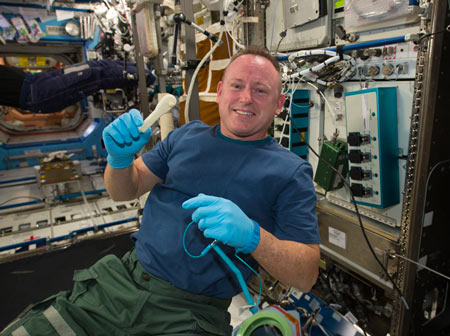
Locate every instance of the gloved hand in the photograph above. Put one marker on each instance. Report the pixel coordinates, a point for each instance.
(223, 220)
(122, 139)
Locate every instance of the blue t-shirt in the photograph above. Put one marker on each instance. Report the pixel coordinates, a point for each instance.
(270, 184)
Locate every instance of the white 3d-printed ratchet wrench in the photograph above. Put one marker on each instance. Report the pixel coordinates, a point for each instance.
(164, 106)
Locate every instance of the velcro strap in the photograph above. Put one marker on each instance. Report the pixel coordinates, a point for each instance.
(21, 331)
(57, 322)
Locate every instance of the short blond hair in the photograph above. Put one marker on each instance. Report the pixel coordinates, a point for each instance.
(257, 51)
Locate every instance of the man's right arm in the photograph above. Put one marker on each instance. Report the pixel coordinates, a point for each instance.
(131, 182)
(126, 178)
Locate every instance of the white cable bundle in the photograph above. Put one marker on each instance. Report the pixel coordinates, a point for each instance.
(334, 57)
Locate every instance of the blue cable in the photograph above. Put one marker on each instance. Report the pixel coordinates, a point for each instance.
(205, 250)
(233, 268)
(257, 274)
(371, 44)
(361, 45)
(254, 307)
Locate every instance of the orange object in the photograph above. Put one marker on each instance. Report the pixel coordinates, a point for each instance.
(32, 120)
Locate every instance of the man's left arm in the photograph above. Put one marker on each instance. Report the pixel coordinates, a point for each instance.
(291, 262)
(294, 264)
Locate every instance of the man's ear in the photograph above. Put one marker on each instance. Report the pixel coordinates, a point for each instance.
(280, 103)
(219, 91)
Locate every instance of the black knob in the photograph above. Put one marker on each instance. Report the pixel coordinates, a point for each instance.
(358, 190)
(356, 139)
(357, 173)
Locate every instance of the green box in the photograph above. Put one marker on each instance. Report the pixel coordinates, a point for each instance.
(335, 153)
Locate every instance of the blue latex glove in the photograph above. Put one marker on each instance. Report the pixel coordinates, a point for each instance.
(223, 220)
(122, 139)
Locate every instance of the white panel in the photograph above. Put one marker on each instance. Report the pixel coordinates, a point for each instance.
(363, 15)
(315, 33)
(360, 108)
(299, 12)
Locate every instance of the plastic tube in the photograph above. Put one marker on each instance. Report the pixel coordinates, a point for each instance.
(238, 274)
(199, 66)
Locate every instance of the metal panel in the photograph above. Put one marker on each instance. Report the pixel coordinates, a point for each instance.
(312, 34)
(299, 12)
(342, 240)
(425, 214)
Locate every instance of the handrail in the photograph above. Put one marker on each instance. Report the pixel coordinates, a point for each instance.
(45, 241)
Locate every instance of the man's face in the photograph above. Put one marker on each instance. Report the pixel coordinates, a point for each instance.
(249, 98)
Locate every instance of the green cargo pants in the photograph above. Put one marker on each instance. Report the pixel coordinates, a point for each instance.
(118, 297)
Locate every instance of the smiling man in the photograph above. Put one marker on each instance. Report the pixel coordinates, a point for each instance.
(234, 183)
(249, 97)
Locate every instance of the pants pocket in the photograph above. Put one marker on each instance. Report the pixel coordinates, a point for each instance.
(83, 279)
(107, 291)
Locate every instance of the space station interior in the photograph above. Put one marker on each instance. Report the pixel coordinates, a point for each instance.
(367, 105)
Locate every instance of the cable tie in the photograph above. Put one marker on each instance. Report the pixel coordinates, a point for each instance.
(339, 51)
(244, 308)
